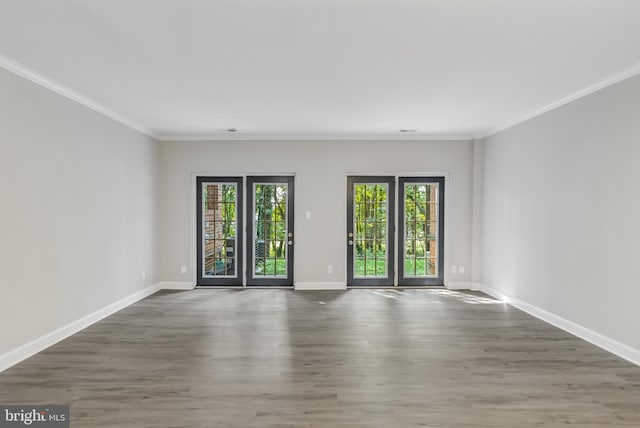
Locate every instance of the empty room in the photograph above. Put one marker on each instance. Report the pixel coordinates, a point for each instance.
(320, 213)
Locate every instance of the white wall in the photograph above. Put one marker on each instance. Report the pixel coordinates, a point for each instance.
(476, 213)
(77, 200)
(321, 169)
(561, 216)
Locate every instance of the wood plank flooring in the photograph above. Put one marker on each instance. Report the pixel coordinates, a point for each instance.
(358, 358)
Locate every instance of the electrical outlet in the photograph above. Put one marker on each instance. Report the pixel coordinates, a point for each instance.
(461, 269)
(329, 269)
(183, 269)
(143, 274)
(454, 269)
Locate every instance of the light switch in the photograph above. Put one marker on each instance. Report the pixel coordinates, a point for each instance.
(307, 215)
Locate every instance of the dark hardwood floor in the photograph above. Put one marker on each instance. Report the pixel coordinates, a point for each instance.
(359, 358)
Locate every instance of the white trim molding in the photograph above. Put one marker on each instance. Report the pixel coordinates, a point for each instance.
(628, 73)
(176, 285)
(477, 286)
(29, 349)
(322, 137)
(462, 285)
(611, 345)
(305, 286)
(37, 78)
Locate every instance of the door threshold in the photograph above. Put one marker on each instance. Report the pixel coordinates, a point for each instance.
(242, 287)
(394, 287)
(270, 287)
(228, 287)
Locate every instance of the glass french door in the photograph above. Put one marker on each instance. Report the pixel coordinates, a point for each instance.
(270, 231)
(421, 231)
(370, 230)
(371, 237)
(219, 231)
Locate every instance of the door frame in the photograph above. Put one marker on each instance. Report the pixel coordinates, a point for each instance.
(193, 226)
(391, 231)
(200, 280)
(250, 281)
(421, 281)
(446, 176)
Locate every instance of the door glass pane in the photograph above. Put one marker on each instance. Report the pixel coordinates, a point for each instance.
(421, 230)
(270, 230)
(370, 230)
(219, 208)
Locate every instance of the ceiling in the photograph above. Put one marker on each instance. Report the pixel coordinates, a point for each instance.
(192, 69)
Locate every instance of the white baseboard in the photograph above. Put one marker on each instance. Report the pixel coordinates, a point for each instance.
(175, 285)
(320, 286)
(463, 285)
(25, 351)
(477, 286)
(620, 349)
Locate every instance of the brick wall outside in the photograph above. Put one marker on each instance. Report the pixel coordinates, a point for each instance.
(433, 230)
(213, 225)
(433, 215)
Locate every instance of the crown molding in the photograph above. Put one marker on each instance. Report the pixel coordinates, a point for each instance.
(223, 136)
(627, 73)
(37, 78)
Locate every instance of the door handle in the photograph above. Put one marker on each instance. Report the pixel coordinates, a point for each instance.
(290, 242)
(350, 242)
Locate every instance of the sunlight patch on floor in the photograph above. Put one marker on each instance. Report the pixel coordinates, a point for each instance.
(422, 296)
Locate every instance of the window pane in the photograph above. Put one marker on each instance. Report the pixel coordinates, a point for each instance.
(219, 212)
(420, 226)
(270, 235)
(370, 229)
